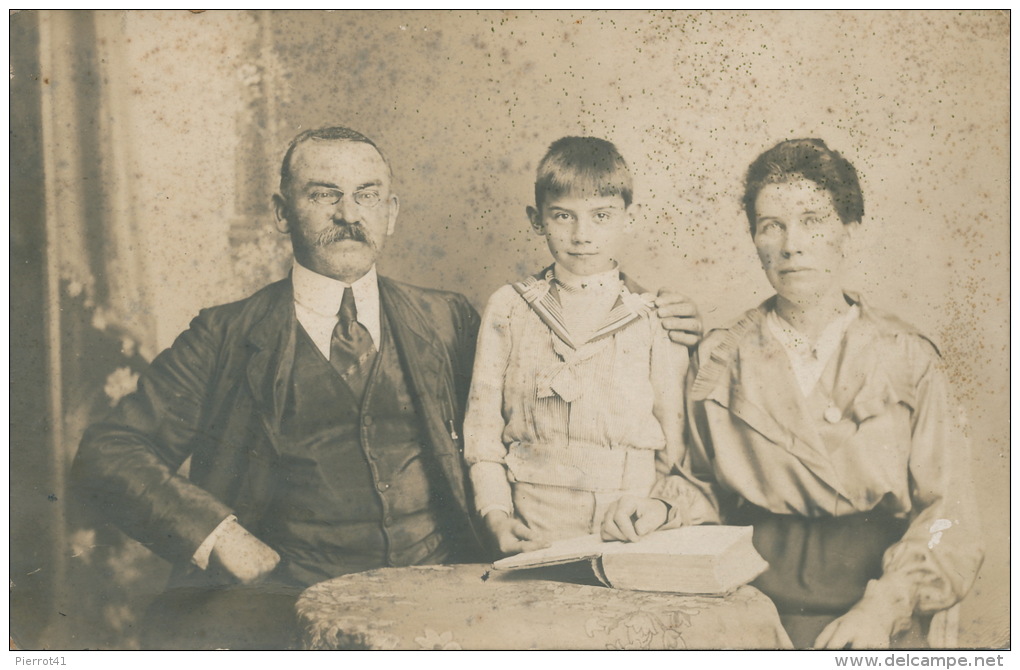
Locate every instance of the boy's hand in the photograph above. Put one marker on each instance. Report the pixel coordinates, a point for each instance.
(512, 536)
(631, 517)
(679, 317)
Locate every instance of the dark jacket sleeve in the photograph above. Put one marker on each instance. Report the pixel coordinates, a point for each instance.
(466, 323)
(127, 465)
(462, 355)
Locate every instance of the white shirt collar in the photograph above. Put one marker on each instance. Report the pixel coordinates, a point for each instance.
(317, 301)
(808, 360)
(601, 280)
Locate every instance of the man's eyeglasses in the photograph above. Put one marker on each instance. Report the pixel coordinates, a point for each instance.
(364, 198)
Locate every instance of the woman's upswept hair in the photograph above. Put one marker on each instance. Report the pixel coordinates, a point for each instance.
(808, 159)
(582, 165)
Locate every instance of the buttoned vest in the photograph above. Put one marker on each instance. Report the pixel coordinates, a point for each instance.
(356, 487)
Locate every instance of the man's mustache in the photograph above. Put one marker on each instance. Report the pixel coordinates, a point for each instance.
(343, 231)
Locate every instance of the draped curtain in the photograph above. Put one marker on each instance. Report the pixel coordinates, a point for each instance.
(76, 582)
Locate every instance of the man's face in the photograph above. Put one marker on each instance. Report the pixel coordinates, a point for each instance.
(585, 234)
(338, 207)
(800, 240)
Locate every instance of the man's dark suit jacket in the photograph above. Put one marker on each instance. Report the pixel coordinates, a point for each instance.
(217, 395)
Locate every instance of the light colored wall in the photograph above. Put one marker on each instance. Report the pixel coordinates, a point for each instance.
(466, 103)
(181, 81)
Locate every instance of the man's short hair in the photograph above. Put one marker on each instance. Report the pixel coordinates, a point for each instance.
(582, 165)
(808, 159)
(333, 133)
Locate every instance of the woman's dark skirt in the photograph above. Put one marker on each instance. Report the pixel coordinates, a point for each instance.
(818, 567)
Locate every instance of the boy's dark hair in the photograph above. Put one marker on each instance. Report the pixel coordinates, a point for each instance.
(582, 165)
(807, 159)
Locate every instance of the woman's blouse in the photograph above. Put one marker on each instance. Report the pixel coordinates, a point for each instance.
(877, 432)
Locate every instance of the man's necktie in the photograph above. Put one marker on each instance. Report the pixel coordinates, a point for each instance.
(351, 349)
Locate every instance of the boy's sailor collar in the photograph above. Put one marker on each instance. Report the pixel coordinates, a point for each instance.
(540, 291)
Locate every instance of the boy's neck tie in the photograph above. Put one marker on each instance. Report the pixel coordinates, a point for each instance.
(351, 349)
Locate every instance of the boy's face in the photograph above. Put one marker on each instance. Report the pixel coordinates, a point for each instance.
(585, 234)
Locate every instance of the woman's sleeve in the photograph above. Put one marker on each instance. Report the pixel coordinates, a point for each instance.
(690, 501)
(484, 450)
(935, 563)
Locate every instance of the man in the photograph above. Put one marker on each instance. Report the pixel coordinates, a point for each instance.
(322, 417)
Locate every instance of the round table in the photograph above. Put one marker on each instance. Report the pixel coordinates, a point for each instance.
(474, 607)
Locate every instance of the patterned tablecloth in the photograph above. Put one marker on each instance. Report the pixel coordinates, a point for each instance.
(474, 607)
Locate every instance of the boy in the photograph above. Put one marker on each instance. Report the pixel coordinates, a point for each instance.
(576, 397)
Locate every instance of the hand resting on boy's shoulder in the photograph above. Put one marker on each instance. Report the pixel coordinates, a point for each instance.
(679, 315)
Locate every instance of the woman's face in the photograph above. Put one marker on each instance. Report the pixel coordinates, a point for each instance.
(801, 240)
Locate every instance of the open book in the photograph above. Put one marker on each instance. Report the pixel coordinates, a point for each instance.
(694, 559)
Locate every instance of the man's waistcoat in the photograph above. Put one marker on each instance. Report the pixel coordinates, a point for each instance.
(355, 487)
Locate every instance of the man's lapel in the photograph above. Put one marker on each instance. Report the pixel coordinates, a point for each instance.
(415, 338)
(430, 378)
(272, 339)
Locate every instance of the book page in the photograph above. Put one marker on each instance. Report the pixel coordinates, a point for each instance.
(562, 551)
(694, 540)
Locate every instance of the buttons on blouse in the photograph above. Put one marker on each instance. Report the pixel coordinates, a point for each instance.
(833, 415)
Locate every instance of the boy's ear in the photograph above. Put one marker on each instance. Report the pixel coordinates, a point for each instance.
(633, 212)
(536, 220)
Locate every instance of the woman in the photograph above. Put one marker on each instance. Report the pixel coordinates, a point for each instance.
(826, 425)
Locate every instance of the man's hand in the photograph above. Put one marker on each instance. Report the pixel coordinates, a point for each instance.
(863, 627)
(512, 536)
(243, 555)
(631, 517)
(679, 317)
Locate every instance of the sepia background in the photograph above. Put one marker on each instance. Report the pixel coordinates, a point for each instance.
(145, 147)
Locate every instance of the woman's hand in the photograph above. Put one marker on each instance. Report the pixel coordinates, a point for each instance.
(512, 536)
(679, 316)
(863, 627)
(631, 517)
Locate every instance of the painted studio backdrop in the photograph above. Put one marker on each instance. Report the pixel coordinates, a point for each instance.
(145, 148)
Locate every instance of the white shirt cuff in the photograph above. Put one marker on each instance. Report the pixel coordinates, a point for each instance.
(204, 551)
(492, 508)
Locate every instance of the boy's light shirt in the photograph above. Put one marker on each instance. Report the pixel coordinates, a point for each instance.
(610, 278)
(585, 300)
(516, 363)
